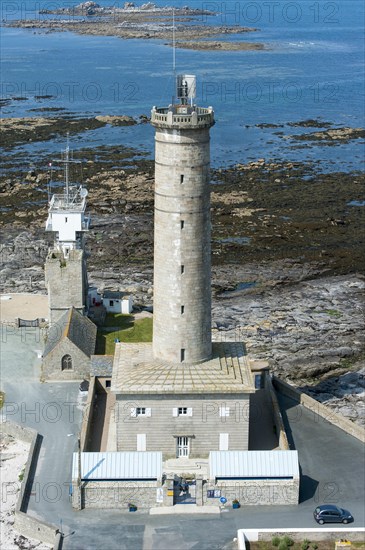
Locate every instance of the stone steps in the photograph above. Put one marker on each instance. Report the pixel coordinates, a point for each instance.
(186, 466)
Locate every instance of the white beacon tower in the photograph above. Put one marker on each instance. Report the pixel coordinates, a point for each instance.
(66, 275)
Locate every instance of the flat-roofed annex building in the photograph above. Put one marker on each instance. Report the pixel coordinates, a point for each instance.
(182, 410)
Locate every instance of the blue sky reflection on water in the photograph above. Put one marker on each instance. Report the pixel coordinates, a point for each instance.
(313, 68)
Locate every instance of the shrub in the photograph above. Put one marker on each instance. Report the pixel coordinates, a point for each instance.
(275, 541)
(282, 545)
(288, 541)
(305, 544)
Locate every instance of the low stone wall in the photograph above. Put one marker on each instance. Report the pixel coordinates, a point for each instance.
(17, 431)
(116, 494)
(33, 528)
(319, 409)
(254, 492)
(279, 424)
(355, 534)
(27, 525)
(87, 415)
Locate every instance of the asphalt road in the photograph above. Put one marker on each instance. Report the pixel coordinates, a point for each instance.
(332, 467)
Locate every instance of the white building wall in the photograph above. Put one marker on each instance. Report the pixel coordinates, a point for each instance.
(112, 305)
(66, 224)
(127, 305)
(118, 305)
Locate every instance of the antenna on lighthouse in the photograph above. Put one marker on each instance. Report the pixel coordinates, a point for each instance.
(173, 42)
(67, 167)
(173, 51)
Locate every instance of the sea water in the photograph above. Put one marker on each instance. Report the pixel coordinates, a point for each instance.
(312, 67)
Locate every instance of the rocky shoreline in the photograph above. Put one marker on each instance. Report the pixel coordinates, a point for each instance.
(216, 45)
(145, 22)
(287, 252)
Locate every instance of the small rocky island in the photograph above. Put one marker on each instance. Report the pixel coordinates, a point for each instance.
(146, 21)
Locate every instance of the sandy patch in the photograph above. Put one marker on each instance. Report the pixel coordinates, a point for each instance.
(13, 457)
(25, 306)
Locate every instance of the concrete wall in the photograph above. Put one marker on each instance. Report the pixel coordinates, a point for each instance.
(279, 424)
(116, 494)
(51, 366)
(254, 492)
(115, 308)
(204, 425)
(87, 415)
(17, 431)
(182, 274)
(27, 525)
(66, 282)
(33, 528)
(319, 409)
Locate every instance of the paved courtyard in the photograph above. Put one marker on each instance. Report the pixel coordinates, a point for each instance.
(332, 467)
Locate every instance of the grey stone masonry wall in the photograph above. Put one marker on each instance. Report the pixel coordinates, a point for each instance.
(182, 274)
(25, 524)
(203, 428)
(116, 494)
(66, 281)
(278, 419)
(320, 409)
(254, 492)
(51, 366)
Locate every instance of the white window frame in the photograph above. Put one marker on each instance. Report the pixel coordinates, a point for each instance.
(223, 441)
(180, 446)
(140, 411)
(141, 442)
(185, 411)
(223, 411)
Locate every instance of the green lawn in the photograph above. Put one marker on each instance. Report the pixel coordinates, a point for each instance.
(128, 331)
(118, 320)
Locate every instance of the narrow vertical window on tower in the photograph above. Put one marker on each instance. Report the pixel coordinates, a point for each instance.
(182, 355)
(182, 178)
(182, 223)
(182, 269)
(182, 310)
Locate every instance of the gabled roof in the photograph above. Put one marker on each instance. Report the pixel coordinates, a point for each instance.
(76, 328)
(115, 295)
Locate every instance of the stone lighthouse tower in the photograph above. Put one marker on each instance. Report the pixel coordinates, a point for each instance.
(182, 275)
(65, 269)
(181, 394)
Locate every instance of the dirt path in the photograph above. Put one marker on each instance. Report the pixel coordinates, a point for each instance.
(25, 306)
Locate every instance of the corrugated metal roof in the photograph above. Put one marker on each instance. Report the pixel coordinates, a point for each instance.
(123, 465)
(272, 464)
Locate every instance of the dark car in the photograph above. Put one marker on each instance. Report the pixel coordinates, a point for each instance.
(84, 386)
(329, 513)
